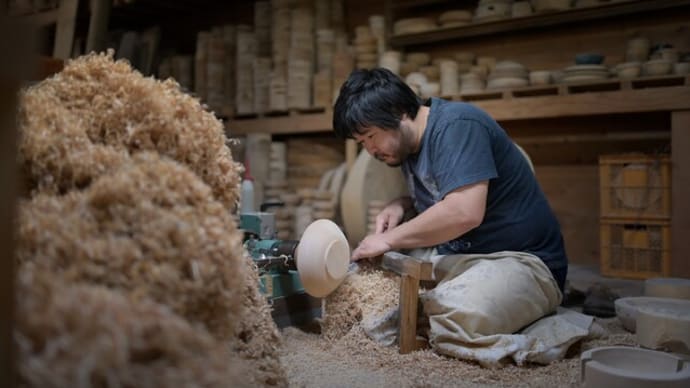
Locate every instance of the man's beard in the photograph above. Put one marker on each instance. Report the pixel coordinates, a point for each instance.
(396, 163)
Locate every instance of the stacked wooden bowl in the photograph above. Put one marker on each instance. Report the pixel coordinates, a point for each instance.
(322, 89)
(323, 205)
(508, 74)
(303, 212)
(300, 59)
(377, 24)
(366, 48)
(244, 81)
(455, 18)
(450, 84)
(200, 59)
(413, 61)
(285, 220)
(325, 47)
(278, 161)
(391, 61)
(182, 69)
(338, 15)
(215, 66)
(491, 10)
(262, 27)
(471, 83)
(322, 14)
(229, 68)
(280, 39)
(308, 160)
(465, 61)
(262, 80)
(343, 64)
(374, 208)
(413, 25)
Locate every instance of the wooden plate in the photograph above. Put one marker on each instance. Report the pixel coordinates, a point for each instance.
(367, 180)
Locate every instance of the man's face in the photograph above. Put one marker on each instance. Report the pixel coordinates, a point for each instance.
(388, 146)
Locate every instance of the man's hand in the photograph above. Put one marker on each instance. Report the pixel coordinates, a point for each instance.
(372, 246)
(389, 217)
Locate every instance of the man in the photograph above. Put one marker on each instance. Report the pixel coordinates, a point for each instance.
(477, 202)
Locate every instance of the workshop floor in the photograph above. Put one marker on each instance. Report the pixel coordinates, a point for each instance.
(581, 277)
(353, 360)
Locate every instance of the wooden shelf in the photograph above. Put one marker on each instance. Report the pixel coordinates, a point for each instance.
(537, 21)
(636, 96)
(281, 125)
(406, 4)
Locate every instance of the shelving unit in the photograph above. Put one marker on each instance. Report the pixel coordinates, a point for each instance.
(536, 21)
(512, 105)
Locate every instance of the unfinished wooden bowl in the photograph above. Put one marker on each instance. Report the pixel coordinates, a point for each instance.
(322, 257)
(622, 366)
(368, 180)
(628, 308)
(665, 327)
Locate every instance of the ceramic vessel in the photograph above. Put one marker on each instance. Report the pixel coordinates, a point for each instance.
(681, 68)
(540, 77)
(657, 67)
(589, 59)
(628, 70)
(521, 9)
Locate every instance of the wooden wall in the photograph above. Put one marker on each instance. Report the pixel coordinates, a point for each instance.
(16, 41)
(573, 192)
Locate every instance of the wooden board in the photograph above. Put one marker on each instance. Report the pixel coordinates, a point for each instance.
(64, 31)
(257, 152)
(573, 193)
(680, 192)
(14, 39)
(368, 180)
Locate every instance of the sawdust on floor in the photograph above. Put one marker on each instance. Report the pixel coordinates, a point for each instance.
(343, 356)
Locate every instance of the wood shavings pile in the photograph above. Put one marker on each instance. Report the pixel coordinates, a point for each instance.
(131, 189)
(343, 355)
(257, 337)
(364, 295)
(85, 121)
(153, 229)
(84, 335)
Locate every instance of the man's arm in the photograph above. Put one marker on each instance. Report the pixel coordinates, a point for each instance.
(460, 211)
(393, 214)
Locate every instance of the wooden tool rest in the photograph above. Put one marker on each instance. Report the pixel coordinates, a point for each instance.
(411, 271)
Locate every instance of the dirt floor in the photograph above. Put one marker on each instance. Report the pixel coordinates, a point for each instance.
(356, 361)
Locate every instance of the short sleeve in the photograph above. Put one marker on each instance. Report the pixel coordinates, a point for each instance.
(462, 155)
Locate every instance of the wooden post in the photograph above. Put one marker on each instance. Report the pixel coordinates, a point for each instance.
(680, 192)
(64, 31)
(411, 271)
(98, 25)
(15, 38)
(409, 290)
(350, 152)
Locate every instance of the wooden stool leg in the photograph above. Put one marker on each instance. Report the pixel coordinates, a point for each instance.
(409, 293)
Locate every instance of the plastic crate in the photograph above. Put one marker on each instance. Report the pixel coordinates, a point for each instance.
(635, 186)
(634, 250)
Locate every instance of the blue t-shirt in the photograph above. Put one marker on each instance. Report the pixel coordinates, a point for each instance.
(463, 145)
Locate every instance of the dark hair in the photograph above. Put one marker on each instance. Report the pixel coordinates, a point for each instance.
(373, 98)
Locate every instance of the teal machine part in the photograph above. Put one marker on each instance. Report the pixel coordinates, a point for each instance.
(277, 271)
(278, 277)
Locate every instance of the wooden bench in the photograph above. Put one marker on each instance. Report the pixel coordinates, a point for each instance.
(411, 271)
